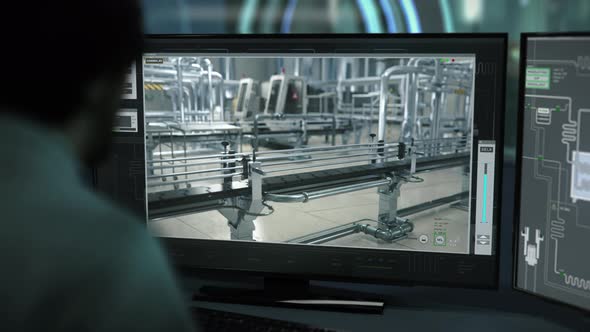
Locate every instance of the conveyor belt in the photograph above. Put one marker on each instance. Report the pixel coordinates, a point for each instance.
(168, 203)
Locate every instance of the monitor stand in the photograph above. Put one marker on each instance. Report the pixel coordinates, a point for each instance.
(294, 293)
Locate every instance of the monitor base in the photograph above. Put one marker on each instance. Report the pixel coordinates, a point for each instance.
(294, 293)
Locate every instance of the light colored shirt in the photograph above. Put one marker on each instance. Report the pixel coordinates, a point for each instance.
(69, 259)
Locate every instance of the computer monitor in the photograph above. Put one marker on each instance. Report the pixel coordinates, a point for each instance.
(553, 168)
(342, 157)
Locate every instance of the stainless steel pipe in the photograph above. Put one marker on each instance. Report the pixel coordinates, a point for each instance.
(305, 196)
(201, 171)
(383, 92)
(167, 183)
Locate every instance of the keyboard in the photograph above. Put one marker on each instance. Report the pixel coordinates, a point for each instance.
(222, 321)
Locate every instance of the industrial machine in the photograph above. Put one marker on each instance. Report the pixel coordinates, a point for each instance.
(389, 168)
(287, 95)
(248, 100)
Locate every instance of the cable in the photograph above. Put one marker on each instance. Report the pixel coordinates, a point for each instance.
(418, 179)
(366, 219)
(412, 179)
(246, 212)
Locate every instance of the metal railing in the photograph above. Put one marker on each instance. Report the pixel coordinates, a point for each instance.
(230, 166)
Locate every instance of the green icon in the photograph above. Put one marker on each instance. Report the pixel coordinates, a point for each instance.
(440, 239)
(557, 109)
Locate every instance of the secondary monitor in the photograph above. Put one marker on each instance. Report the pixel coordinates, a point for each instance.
(553, 182)
(368, 158)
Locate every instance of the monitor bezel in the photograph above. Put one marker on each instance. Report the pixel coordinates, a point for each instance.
(518, 161)
(181, 249)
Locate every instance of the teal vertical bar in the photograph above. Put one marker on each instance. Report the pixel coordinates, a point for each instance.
(485, 198)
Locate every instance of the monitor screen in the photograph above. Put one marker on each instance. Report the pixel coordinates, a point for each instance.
(554, 165)
(377, 158)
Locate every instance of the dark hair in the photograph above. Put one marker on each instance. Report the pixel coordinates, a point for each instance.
(52, 50)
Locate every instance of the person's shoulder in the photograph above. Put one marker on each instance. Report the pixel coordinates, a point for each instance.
(135, 276)
(115, 238)
(108, 213)
(92, 217)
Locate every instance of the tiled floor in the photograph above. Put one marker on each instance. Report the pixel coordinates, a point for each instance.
(294, 220)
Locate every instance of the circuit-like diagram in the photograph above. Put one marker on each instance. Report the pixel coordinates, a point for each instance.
(555, 178)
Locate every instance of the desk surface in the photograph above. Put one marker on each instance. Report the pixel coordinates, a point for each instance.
(434, 309)
(404, 319)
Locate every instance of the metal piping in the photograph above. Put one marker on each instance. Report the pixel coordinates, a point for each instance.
(167, 183)
(179, 77)
(442, 75)
(192, 164)
(358, 81)
(180, 93)
(304, 197)
(297, 70)
(210, 89)
(221, 98)
(332, 164)
(335, 148)
(188, 101)
(347, 156)
(209, 170)
(387, 234)
(385, 77)
(321, 153)
(193, 158)
(339, 88)
(228, 68)
(353, 227)
(195, 97)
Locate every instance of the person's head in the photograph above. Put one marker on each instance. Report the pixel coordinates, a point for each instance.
(63, 63)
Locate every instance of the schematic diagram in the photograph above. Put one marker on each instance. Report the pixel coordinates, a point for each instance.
(555, 175)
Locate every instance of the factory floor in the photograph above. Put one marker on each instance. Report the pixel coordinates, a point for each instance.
(441, 229)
